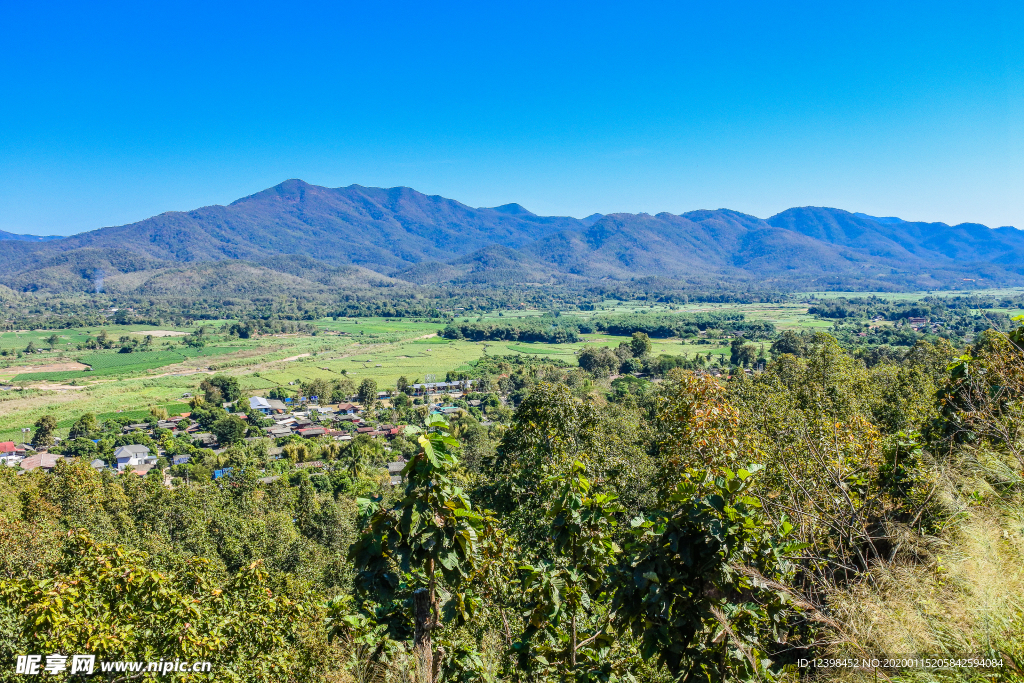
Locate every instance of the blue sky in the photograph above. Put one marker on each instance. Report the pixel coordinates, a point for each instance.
(113, 112)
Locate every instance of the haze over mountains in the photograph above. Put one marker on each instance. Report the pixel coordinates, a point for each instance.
(295, 236)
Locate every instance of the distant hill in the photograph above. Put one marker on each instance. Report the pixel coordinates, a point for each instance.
(297, 236)
(27, 238)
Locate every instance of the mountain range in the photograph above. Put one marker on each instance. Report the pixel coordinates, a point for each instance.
(297, 236)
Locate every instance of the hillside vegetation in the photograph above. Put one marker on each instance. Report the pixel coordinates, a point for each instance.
(571, 526)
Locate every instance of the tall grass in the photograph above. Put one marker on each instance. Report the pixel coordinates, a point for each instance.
(959, 592)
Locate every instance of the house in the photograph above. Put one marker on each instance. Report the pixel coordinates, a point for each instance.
(307, 465)
(395, 470)
(277, 431)
(364, 430)
(10, 454)
(440, 387)
(348, 408)
(132, 455)
(204, 440)
(180, 459)
(309, 432)
(43, 461)
(266, 406)
(98, 465)
(143, 470)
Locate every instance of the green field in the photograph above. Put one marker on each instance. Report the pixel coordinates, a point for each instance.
(383, 349)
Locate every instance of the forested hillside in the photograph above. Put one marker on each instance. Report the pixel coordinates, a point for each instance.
(695, 528)
(429, 240)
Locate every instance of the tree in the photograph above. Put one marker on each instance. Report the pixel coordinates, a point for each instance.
(741, 353)
(368, 393)
(342, 390)
(318, 388)
(640, 345)
(599, 361)
(122, 605)
(565, 596)
(693, 587)
(789, 343)
(432, 532)
(221, 388)
(402, 385)
(45, 426)
(31, 348)
(84, 427)
(52, 340)
(229, 429)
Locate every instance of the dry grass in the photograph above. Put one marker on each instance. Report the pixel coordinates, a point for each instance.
(966, 598)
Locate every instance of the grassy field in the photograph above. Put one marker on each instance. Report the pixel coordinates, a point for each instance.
(383, 349)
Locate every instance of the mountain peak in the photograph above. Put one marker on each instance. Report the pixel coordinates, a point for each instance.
(292, 189)
(512, 210)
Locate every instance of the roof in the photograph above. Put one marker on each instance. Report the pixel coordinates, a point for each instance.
(47, 461)
(7, 447)
(98, 464)
(259, 403)
(311, 463)
(131, 450)
(394, 467)
(442, 385)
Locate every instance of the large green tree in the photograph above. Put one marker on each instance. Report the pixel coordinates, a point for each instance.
(45, 428)
(430, 535)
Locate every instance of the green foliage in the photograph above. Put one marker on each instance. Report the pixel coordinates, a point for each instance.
(565, 597)
(43, 434)
(696, 588)
(432, 530)
(368, 393)
(229, 430)
(120, 605)
(221, 388)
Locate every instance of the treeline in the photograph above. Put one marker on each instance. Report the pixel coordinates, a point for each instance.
(522, 329)
(928, 307)
(562, 328)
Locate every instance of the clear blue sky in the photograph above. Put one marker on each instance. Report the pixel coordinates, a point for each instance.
(113, 112)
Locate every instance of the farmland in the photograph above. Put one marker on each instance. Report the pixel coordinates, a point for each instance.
(69, 379)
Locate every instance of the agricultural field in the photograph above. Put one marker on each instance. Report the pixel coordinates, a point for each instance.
(384, 349)
(67, 381)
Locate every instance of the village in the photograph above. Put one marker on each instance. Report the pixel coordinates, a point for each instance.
(157, 444)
